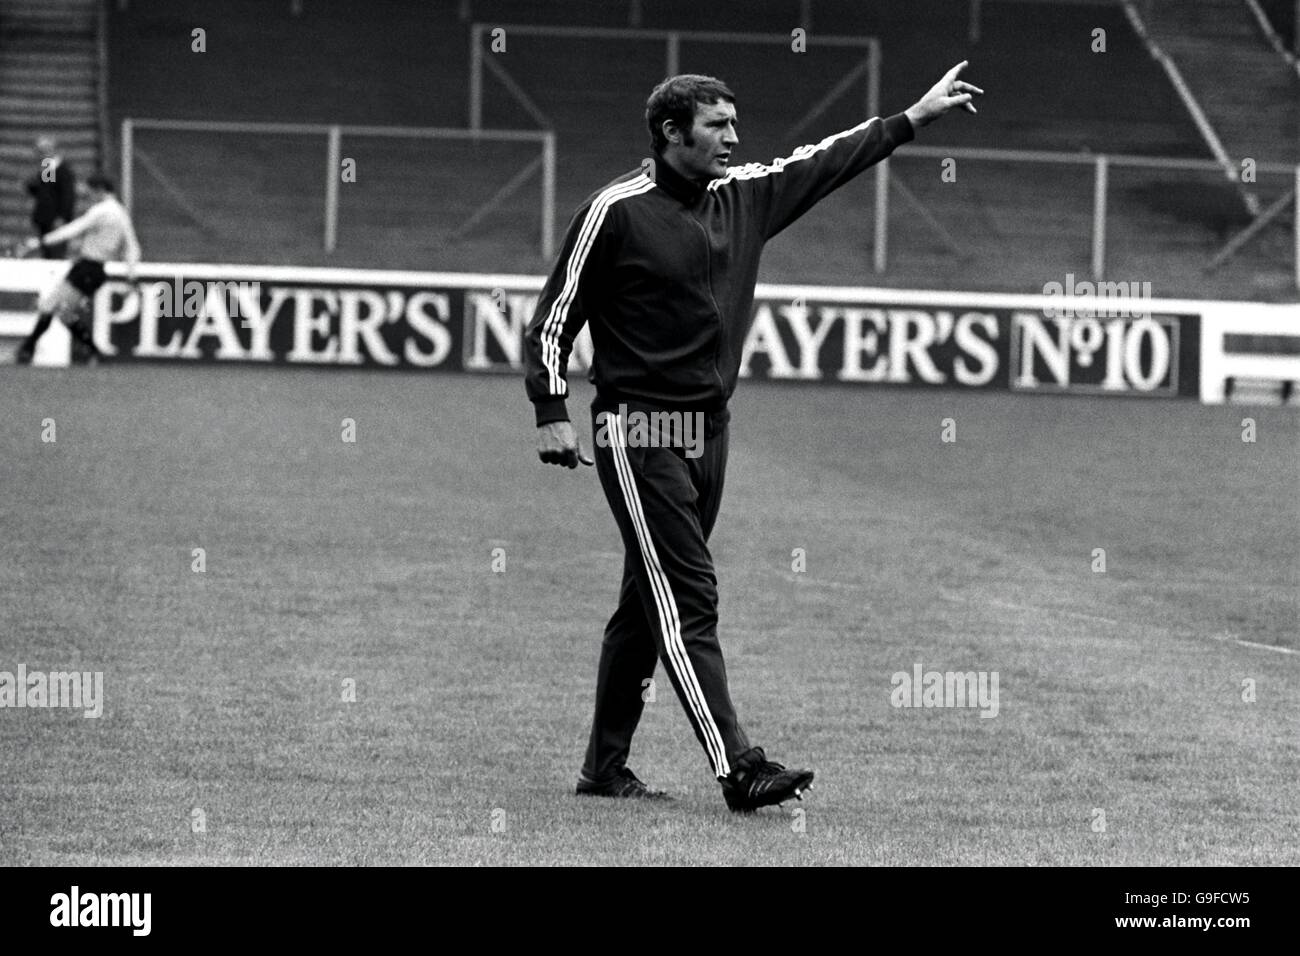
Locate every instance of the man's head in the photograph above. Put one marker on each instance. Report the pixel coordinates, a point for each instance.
(97, 187)
(46, 147)
(692, 121)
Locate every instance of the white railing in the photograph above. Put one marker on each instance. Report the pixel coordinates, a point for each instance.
(334, 133)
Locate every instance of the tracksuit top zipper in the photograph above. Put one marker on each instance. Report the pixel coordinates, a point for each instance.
(626, 272)
(717, 310)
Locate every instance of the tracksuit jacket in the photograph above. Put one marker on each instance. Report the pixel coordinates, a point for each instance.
(663, 271)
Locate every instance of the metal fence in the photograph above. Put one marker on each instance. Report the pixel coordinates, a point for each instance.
(861, 79)
(887, 183)
(1102, 164)
(543, 164)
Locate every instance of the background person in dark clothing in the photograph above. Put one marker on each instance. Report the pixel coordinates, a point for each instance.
(54, 191)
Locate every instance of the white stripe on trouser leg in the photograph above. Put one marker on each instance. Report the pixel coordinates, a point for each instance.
(669, 621)
(667, 607)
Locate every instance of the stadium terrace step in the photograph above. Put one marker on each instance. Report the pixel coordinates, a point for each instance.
(48, 17)
(32, 59)
(11, 205)
(15, 77)
(1198, 15)
(23, 165)
(63, 55)
(39, 120)
(24, 84)
(1201, 36)
(48, 106)
(49, 78)
(17, 143)
(20, 155)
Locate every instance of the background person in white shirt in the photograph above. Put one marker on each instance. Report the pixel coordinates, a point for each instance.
(105, 234)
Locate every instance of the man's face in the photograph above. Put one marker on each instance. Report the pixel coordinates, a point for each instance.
(705, 149)
(45, 148)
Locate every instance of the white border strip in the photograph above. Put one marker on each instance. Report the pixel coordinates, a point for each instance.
(766, 290)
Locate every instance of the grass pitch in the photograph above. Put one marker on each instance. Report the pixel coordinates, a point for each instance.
(1120, 691)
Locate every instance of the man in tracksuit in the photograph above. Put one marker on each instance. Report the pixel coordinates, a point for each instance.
(661, 264)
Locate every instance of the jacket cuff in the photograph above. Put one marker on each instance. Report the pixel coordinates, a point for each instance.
(550, 410)
(899, 129)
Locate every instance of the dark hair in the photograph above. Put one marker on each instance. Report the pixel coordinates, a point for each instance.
(101, 182)
(676, 99)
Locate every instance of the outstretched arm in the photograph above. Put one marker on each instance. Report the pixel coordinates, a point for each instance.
(788, 187)
(70, 231)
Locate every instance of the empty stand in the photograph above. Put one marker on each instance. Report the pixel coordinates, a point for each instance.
(1018, 225)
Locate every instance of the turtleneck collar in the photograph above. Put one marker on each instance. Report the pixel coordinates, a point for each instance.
(679, 187)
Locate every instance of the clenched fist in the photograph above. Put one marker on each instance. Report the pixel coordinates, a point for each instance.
(557, 444)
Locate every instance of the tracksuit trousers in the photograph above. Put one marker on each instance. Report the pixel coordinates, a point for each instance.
(665, 503)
